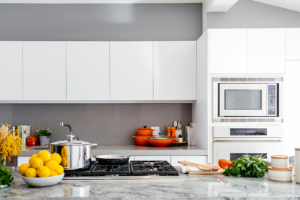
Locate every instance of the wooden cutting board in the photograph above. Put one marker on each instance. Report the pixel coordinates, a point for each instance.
(220, 171)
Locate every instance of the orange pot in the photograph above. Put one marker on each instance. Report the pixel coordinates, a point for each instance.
(162, 142)
(141, 140)
(144, 131)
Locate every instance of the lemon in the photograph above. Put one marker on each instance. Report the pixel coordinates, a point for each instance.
(43, 171)
(53, 173)
(23, 168)
(56, 157)
(59, 170)
(44, 155)
(52, 165)
(30, 172)
(36, 162)
(34, 155)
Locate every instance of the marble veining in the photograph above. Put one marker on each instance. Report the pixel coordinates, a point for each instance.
(183, 187)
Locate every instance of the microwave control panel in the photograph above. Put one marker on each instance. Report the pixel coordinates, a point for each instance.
(248, 131)
(272, 100)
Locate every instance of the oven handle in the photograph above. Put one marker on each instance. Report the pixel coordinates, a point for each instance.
(247, 139)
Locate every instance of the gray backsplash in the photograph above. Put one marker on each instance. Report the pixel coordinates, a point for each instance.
(97, 123)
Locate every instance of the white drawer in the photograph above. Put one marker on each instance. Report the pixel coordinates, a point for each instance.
(194, 159)
(167, 158)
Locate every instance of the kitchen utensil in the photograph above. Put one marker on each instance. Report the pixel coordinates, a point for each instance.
(220, 171)
(169, 131)
(177, 133)
(280, 174)
(202, 167)
(145, 131)
(46, 181)
(160, 141)
(112, 159)
(141, 140)
(173, 134)
(280, 161)
(179, 124)
(175, 123)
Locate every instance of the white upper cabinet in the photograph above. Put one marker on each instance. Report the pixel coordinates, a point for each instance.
(293, 44)
(87, 70)
(44, 71)
(131, 71)
(175, 70)
(266, 50)
(11, 70)
(227, 51)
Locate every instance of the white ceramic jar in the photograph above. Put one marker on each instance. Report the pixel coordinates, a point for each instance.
(297, 165)
(278, 174)
(280, 161)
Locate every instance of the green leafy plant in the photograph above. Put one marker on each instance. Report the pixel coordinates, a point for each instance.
(247, 166)
(180, 136)
(5, 176)
(44, 132)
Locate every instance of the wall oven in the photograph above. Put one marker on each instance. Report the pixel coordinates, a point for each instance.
(255, 98)
(231, 142)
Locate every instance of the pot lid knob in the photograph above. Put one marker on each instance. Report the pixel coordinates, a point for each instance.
(70, 137)
(145, 126)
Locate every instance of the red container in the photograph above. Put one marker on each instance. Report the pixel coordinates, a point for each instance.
(31, 141)
(145, 131)
(141, 140)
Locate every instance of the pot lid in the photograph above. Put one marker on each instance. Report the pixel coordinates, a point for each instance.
(280, 169)
(279, 157)
(71, 142)
(145, 128)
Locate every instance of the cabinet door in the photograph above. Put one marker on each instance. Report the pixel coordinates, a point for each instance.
(44, 71)
(88, 70)
(22, 160)
(228, 51)
(131, 70)
(292, 107)
(194, 159)
(175, 70)
(293, 44)
(11, 70)
(266, 50)
(167, 158)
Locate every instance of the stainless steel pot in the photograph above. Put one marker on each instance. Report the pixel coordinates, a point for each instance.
(75, 154)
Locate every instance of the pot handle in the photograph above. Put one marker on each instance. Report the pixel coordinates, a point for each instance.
(136, 130)
(133, 136)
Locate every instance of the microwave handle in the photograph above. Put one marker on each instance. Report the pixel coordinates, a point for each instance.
(246, 139)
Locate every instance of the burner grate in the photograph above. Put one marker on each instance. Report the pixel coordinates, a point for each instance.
(102, 170)
(158, 168)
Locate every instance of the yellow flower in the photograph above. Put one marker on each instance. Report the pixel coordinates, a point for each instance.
(27, 150)
(6, 124)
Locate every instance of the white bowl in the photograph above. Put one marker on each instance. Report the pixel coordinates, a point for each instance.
(280, 161)
(279, 174)
(38, 182)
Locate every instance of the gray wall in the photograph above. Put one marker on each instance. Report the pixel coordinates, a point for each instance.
(100, 22)
(99, 123)
(251, 14)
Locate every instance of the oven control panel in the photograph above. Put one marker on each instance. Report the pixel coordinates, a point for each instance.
(248, 131)
(272, 100)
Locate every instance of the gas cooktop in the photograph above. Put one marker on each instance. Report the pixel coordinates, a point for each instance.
(134, 168)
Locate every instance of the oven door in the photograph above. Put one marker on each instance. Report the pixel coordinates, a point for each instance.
(233, 149)
(242, 100)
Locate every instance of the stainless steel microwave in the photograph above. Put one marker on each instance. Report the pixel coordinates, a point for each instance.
(247, 99)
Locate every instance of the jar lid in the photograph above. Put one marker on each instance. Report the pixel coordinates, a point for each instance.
(71, 142)
(145, 128)
(279, 157)
(280, 169)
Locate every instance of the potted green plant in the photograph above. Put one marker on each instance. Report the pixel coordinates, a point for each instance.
(180, 138)
(44, 135)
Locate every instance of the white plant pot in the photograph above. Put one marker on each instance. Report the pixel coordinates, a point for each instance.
(180, 139)
(44, 140)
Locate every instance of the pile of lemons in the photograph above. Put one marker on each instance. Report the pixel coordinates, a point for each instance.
(42, 164)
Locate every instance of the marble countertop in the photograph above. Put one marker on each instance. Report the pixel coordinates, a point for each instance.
(182, 187)
(135, 150)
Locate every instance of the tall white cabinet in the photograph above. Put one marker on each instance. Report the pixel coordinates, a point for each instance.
(11, 70)
(44, 71)
(131, 70)
(175, 70)
(293, 44)
(87, 70)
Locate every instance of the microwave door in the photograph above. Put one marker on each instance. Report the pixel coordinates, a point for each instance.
(242, 100)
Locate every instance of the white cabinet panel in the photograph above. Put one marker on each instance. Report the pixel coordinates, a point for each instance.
(292, 107)
(194, 159)
(87, 70)
(266, 50)
(175, 70)
(228, 51)
(11, 70)
(22, 160)
(44, 71)
(131, 70)
(293, 44)
(167, 158)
